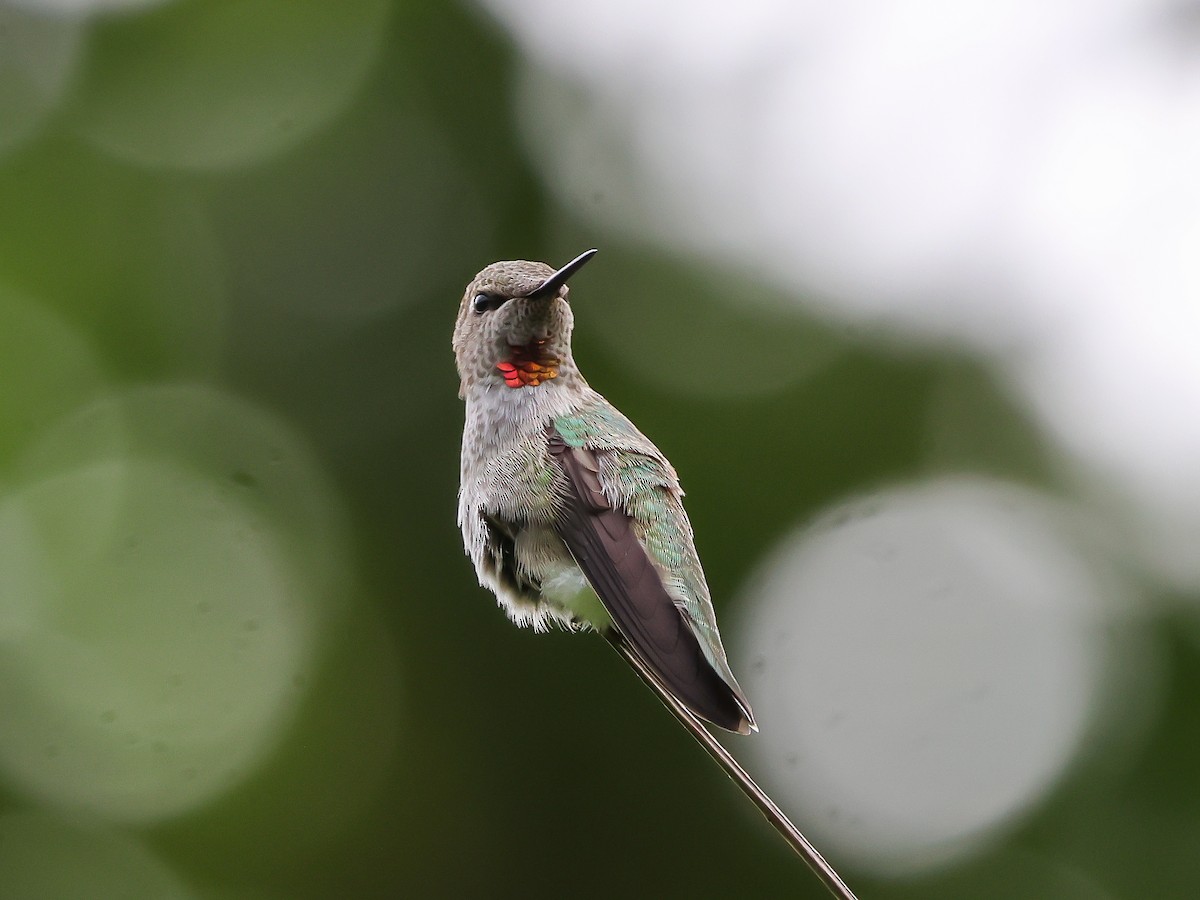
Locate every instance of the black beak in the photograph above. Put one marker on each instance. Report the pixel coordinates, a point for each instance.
(549, 287)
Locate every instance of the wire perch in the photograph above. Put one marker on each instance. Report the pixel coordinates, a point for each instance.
(773, 814)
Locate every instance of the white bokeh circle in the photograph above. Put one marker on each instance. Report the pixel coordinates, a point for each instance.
(926, 663)
(156, 659)
(170, 556)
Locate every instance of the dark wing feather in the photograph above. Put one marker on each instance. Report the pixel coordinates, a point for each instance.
(603, 543)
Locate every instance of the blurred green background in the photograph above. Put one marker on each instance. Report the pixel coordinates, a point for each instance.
(242, 654)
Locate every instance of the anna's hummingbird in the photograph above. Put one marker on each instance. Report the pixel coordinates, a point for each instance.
(569, 513)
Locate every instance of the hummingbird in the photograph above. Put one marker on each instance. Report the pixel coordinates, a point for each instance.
(569, 513)
(573, 517)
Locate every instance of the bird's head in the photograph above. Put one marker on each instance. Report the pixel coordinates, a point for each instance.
(514, 326)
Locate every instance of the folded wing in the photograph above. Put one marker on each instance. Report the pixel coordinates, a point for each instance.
(604, 543)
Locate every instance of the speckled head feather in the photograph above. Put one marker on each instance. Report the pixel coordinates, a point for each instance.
(503, 334)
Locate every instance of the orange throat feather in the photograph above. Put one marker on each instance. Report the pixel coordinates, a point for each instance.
(529, 365)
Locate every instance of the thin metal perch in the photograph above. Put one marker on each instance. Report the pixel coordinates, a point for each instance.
(789, 832)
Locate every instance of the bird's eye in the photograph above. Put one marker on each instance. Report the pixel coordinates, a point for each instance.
(484, 302)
